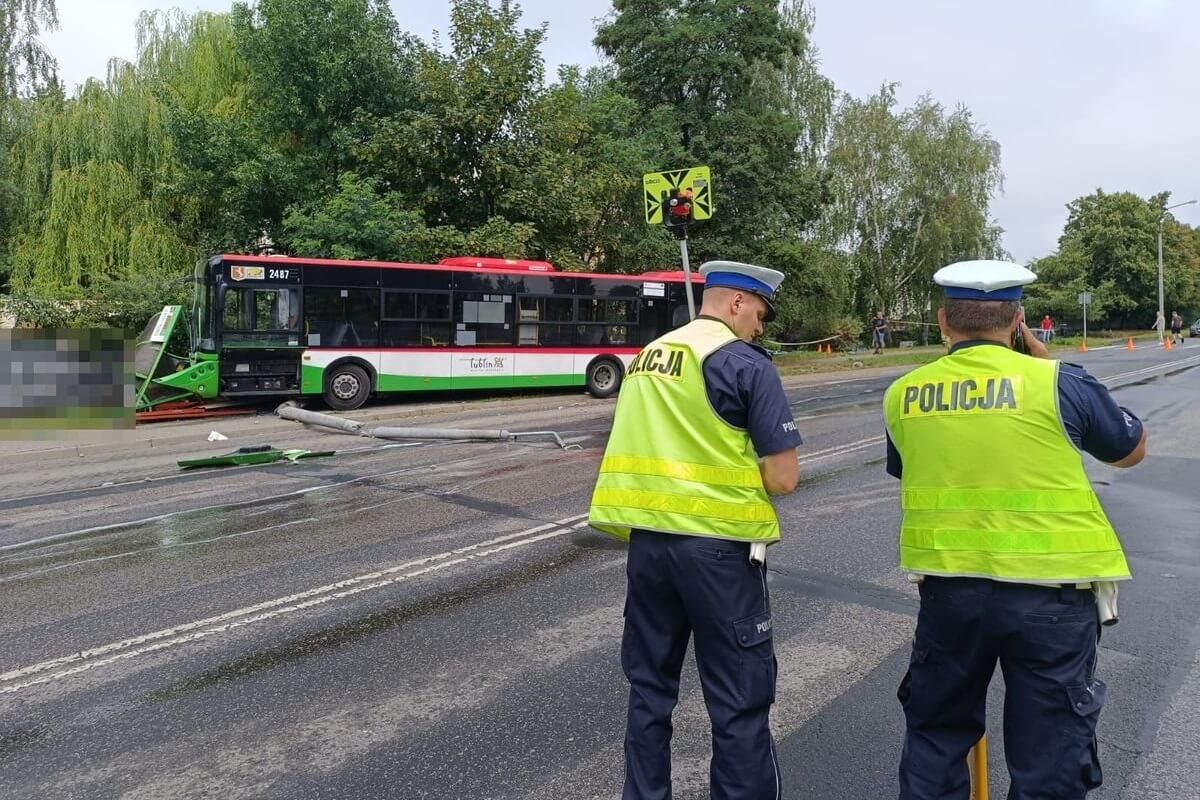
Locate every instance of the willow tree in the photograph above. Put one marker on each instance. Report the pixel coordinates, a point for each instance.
(25, 63)
(912, 190)
(26, 66)
(91, 169)
(104, 204)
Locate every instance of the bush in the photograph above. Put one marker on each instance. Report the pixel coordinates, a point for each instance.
(126, 303)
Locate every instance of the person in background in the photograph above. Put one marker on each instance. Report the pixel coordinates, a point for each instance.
(1176, 328)
(879, 332)
(1047, 329)
(1160, 325)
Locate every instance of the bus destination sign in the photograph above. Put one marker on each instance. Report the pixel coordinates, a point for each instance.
(280, 274)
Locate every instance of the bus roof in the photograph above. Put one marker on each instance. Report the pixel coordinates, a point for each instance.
(466, 264)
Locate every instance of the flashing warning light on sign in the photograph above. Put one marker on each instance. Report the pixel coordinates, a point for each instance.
(680, 206)
(676, 198)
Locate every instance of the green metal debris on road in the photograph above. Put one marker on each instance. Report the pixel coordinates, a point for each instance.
(247, 456)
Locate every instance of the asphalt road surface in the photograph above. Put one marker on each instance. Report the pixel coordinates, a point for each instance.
(437, 621)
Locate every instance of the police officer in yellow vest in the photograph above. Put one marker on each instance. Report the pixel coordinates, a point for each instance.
(703, 434)
(1009, 542)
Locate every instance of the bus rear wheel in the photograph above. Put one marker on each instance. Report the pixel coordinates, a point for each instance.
(346, 387)
(603, 378)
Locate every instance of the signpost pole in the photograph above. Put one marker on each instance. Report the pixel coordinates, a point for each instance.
(1083, 299)
(687, 276)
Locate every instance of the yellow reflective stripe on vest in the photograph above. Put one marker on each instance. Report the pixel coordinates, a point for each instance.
(698, 473)
(1084, 541)
(1056, 501)
(1044, 568)
(683, 504)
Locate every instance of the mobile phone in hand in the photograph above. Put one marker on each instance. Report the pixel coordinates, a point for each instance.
(1018, 342)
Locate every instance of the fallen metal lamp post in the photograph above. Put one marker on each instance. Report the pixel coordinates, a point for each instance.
(291, 412)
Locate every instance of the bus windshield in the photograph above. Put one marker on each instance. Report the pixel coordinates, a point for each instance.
(254, 315)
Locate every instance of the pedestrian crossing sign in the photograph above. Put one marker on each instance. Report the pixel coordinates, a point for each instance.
(691, 186)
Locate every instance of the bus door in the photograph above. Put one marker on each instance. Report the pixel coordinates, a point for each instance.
(484, 338)
(546, 341)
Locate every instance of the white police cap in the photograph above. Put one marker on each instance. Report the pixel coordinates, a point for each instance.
(762, 281)
(983, 280)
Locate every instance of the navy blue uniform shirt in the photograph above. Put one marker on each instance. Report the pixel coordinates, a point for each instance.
(1090, 415)
(744, 389)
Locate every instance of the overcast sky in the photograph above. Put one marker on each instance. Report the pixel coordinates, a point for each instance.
(1080, 94)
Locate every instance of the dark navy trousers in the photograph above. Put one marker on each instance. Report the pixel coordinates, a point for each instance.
(683, 586)
(1045, 641)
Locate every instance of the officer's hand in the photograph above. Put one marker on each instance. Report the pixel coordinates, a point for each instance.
(1036, 347)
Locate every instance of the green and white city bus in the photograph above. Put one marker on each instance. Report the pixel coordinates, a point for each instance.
(343, 330)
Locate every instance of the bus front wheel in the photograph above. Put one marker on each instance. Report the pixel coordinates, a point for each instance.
(603, 378)
(347, 387)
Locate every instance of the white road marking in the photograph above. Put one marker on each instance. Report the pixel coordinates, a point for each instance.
(863, 445)
(160, 546)
(849, 447)
(158, 517)
(189, 474)
(200, 629)
(1154, 368)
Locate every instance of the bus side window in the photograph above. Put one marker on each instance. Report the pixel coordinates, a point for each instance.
(287, 310)
(342, 317)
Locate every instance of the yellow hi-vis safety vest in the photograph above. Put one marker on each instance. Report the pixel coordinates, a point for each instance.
(991, 484)
(672, 464)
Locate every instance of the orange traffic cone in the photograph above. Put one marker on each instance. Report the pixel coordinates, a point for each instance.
(1129, 344)
(1083, 346)
(1167, 343)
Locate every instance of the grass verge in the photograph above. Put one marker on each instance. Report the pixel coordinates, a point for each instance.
(811, 363)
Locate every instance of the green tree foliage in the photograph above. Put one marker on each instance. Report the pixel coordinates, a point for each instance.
(1109, 245)
(814, 300)
(359, 222)
(25, 63)
(808, 95)
(26, 66)
(324, 129)
(103, 214)
(463, 151)
(92, 172)
(912, 190)
(487, 143)
(274, 128)
(709, 78)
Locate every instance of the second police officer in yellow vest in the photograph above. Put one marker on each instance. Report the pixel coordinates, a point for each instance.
(703, 433)
(1009, 541)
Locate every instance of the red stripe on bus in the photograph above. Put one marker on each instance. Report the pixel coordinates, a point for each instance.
(657, 277)
(587, 351)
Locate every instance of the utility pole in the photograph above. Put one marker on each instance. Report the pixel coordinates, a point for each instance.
(1161, 310)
